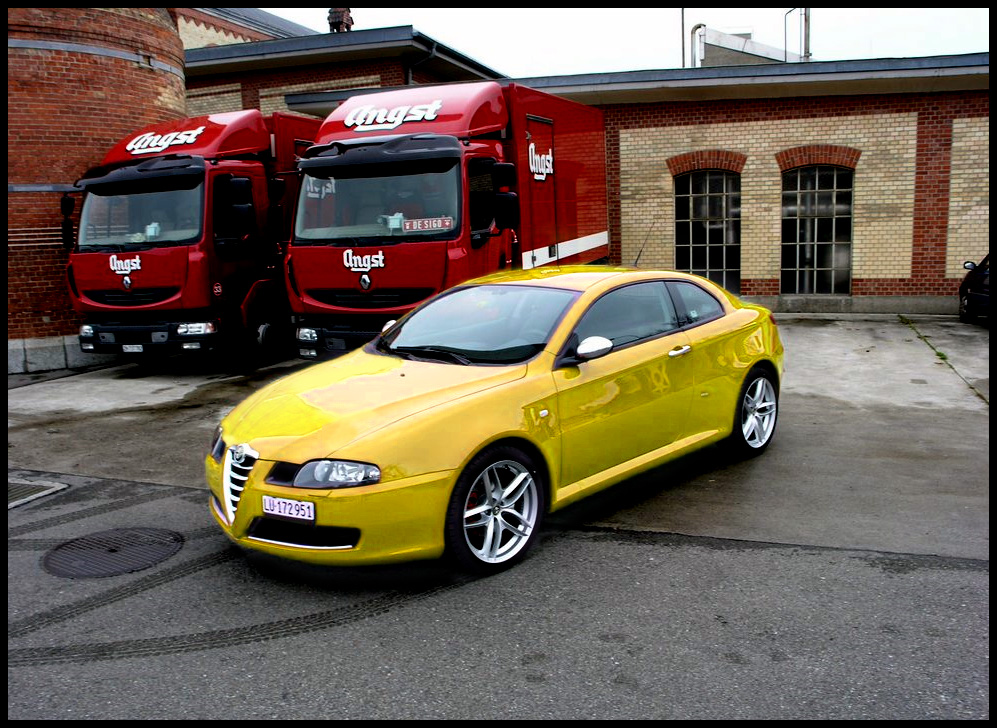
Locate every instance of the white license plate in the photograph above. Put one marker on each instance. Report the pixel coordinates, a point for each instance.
(287, 508)
(131, 348)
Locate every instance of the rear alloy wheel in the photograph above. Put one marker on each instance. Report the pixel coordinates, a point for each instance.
(757, 412)
(495, 511)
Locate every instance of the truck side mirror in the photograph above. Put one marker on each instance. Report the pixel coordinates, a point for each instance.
(66, 205)
(506, 210)
(503, 175)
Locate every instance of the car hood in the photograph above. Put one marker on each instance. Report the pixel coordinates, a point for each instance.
(323, 408)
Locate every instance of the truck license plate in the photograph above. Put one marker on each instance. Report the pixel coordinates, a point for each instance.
(287, 508)
(131, 348)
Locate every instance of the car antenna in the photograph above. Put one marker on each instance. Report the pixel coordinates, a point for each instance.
(643, 245)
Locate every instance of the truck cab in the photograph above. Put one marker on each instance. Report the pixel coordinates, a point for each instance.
(181, 233)
(407, 193)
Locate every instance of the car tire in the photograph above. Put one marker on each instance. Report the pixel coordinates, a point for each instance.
(495, 510)
(966, 314)
(757, 414)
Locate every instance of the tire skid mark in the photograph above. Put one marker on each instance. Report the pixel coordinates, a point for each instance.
(39, 621)
(89, 512)
(231, 637)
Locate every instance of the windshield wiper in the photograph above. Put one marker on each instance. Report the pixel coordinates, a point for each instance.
(447, 352)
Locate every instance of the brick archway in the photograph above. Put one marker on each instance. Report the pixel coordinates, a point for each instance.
(812, 154)
(722, 159)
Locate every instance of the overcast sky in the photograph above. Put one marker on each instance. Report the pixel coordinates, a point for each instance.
(521, 42)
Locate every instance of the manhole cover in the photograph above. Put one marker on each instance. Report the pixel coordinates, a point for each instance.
(110, 553)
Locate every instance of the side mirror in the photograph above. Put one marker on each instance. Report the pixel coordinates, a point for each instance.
(506, 210)
(66, 206)
(388, 325)
(969, 265)
(593, 347)
(503, 175)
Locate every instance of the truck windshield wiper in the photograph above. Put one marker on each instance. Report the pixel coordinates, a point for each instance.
(451, 354)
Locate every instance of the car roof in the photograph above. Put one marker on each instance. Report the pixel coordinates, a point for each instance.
(578, 277)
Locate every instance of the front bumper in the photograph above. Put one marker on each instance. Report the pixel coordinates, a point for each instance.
(390, 522)
(109, 338)
(333, 335)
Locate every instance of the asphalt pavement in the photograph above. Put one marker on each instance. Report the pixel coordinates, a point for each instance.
(844, 574)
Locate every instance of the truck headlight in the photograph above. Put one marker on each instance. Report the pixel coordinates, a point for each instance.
(86, 330)
(307, 335)
(336, 474)
(204, 327)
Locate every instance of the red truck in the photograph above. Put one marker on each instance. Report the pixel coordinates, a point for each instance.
(409, 192)
(181, 234)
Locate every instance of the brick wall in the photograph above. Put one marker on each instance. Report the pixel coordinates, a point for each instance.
(66, 107)
(922, 173)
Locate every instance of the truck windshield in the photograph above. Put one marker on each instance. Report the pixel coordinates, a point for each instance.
(142, 220)
(352, 210)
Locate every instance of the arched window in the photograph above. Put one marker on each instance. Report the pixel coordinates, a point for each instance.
(817, 230)
(708, 226)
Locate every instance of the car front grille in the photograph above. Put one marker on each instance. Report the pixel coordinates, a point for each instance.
(239, 462)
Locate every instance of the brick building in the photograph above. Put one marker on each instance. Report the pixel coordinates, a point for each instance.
(841, 186)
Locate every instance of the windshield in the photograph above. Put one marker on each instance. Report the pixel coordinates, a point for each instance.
(487, 324)
(141, 220)
(352, 210)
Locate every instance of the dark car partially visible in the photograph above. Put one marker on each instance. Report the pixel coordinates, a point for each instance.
(974, 292)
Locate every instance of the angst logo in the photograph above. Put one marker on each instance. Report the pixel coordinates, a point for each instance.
(150, 143)
(363, 263)
(541, 164)
(125, 266)
(372, 118)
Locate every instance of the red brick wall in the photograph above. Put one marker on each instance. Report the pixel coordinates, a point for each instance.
(934, 144)
(65, 109)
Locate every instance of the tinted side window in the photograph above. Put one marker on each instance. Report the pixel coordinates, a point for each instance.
(629, 314)
(698, 305)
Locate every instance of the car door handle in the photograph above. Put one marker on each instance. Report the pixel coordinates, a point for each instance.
(679, 351)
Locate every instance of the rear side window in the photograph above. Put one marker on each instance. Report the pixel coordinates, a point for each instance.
(630, 314)
(697, 305)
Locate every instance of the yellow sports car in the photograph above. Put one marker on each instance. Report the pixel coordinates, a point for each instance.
(464, 423)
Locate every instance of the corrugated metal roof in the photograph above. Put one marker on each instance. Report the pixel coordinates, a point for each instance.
(258, 20)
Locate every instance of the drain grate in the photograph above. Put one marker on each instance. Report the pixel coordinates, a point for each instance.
(111, 553)
(20, 491)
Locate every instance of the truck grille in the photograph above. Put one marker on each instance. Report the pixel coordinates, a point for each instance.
(239, 461)
(137, 297)
(379, 298)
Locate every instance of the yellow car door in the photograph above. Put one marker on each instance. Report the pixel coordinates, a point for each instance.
(633, 400)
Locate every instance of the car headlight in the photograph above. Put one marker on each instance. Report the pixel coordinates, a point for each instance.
(336, 474)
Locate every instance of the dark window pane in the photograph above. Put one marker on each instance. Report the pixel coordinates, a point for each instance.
(825, 229)
(787, 282)
(825, 203)
(699, 208)
(843, 230)
(808, 203)
(843, 257)
(733, 281)
(842, 281)
(716, 207)
(682, 184)
(825, 282)
(699, 256)
(789, 256)
(734, 206)
(789, 204)
(790, 181)
(699, 183)
(806, 258)
(843, 203)
(808, 178)
(733, 232)
(734, 184)
(715, 255)
(682, 233)
(789, 231)
(681, 208)
(804, 282)
(716, 184)
(845, 179)
(807, 230)
(825, 256)
(825, 178)
(733, 257)
(716, 235)
(682, 258)
(698, 233)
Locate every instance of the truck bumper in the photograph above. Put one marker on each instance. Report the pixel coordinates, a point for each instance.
(322, 338)
(163, 338)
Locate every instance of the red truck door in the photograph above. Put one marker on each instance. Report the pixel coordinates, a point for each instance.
(541, 192)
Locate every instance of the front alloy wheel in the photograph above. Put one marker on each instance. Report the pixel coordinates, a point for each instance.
(495, 511)
(758, 410)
